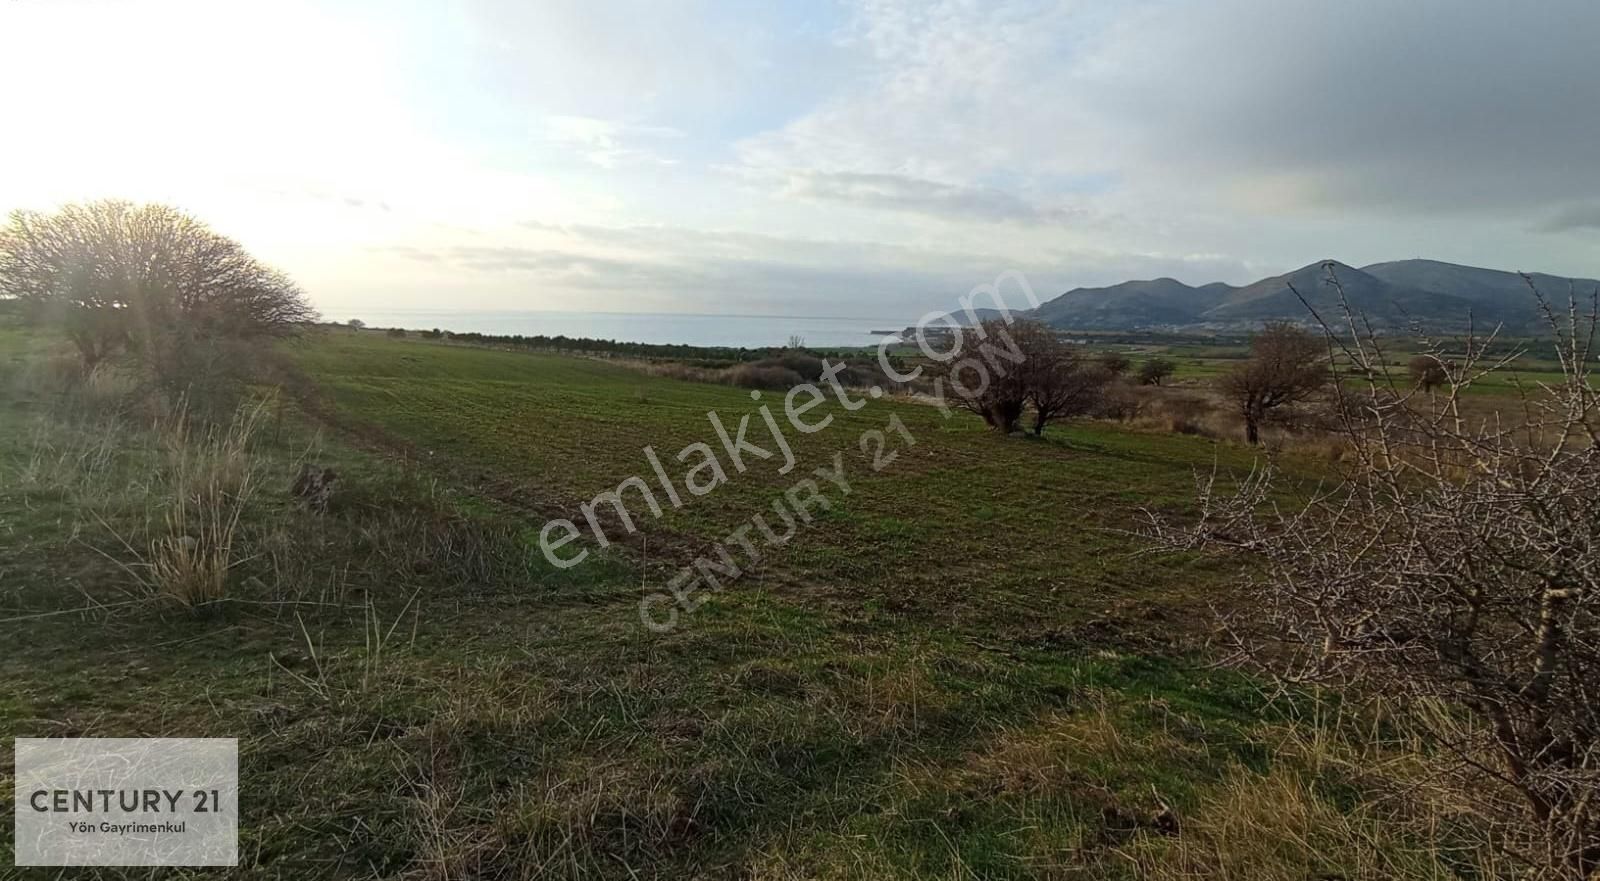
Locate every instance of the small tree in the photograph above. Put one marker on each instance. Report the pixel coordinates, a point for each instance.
(1114, 363)
(1428, 372)
(1156, 370)
(355, 324)
(1060, 384)
(1286, 366)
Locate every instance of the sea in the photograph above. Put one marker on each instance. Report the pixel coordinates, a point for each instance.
(750, 331)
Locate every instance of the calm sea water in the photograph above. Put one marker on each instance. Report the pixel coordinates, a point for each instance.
(753, 331)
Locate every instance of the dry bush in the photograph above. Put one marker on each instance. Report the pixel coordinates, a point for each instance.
(1428, 372)
(684, 372)
(865, 374)
(1178, 411)
(808, 366)
(769, 378)
(769, 374)
(1457, 563)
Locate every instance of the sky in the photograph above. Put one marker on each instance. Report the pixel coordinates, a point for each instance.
(851, 158)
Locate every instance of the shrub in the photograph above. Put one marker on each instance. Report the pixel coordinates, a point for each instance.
(1428, 372)
(768, 377)
(1114, 363)
(809, 367)
(1455, 568)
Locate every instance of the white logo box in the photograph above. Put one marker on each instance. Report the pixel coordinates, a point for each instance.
(125, 801)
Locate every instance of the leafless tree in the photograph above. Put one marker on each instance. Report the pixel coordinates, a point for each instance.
(1427, 372)
(1287, 365)
(984, 375)
(1008, 367)
(1115, 363)
(1456, 564)
(1155, 371)
(1060, 385)
(116, 275)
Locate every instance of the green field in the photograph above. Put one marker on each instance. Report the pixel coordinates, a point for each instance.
(968, 666)
(1200, 364)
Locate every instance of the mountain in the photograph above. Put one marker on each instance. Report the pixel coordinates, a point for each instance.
(1440, 295)
(1131, 304)
(1273, 298)
(1491, 287)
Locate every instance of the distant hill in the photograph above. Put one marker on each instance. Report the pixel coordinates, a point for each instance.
(1132, 304)
(1439, 295)
(1484, 286)
(1273, 298)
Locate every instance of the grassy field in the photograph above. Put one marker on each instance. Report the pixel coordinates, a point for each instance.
(1200, 364)
(966, 667)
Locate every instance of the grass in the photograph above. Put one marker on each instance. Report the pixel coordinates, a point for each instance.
(966, 668)
(1038, 522)
(1200, 364)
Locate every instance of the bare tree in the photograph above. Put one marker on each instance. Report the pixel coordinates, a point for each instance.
(115, 275)
(1008, 367)
(1287, 365)
(1115, 363)
(1060, 385)
(1155, 371)
(1456, 563)
(984, 375)
(1428, 372)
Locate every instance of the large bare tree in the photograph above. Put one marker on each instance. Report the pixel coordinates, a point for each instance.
(1287, 365)
(1007, 367)
(984, 374)
(114, 275)
(1456, 564)
(1060, 383)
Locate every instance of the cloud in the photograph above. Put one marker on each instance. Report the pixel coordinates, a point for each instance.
(1431, 106)
(1270, 107)
(683, 269)
(895, 192)
(607, 143)
(849, 156)
(1573, 218)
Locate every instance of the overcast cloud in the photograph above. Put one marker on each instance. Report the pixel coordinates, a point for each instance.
(874, 157)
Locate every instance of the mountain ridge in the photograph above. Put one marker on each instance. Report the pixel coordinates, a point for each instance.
(1397, 293)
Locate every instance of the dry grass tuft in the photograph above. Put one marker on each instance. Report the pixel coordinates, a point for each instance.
(212, 475)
